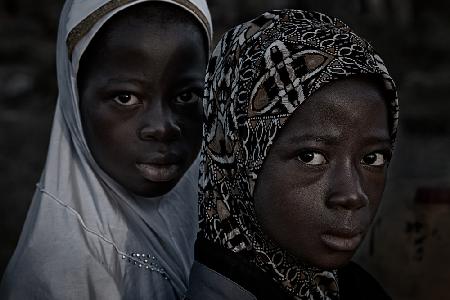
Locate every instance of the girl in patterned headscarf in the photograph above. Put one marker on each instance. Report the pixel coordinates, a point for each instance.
(114, 215)
(301, 117)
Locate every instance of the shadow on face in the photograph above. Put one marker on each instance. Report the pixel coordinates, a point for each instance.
(323, 179)
(140, 85)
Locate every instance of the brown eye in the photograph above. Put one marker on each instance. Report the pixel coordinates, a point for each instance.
(126, 99)
(312, 158)
(187, 97)
(374, 159)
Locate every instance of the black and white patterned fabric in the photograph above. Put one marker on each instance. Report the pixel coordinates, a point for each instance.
(259, 73)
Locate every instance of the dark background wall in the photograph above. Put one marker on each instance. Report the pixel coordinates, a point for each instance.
(408, 249)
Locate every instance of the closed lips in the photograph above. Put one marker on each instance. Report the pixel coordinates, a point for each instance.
(342, 241)
(159, 172)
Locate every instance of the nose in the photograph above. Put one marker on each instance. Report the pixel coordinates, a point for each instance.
(346, 190)
(159, 124)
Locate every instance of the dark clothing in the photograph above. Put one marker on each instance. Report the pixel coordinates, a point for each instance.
(219, 274)
(257, 78)
(355, 283)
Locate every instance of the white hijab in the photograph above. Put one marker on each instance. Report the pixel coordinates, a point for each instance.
(86, 237)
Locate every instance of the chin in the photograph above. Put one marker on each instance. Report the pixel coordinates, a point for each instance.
(327, 260)
(155, 189)
(161, 190)
(334, 261)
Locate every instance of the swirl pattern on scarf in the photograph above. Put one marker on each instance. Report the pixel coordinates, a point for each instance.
(259, 73)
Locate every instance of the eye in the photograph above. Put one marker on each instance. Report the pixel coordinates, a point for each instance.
(312, 158)
(187, 97)
(375, 159)
(126, 99)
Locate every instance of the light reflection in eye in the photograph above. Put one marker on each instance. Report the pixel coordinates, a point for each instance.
(187, 97)
(376, 159)
(312, 158)
(126, 99)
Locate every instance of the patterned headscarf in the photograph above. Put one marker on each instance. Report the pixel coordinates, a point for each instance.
(259, 73)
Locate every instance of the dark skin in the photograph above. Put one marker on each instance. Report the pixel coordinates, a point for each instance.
(140, 98)
(322, 181)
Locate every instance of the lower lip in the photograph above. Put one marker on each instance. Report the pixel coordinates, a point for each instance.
(159, 173)
(340, 243)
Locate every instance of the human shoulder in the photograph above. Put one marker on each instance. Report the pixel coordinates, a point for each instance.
(206, 283)
(53, 259)
(228, 275)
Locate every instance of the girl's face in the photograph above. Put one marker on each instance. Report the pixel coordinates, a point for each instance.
(140, 101)
(322, 181)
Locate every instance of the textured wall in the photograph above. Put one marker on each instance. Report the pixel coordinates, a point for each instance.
(409, 247)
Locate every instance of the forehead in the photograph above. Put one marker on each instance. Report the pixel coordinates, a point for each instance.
(142, 39)
(346, 108)
(153, 35)
(146, 21)
(156, 13)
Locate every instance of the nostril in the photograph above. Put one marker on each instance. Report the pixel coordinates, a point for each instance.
(162, 132)
(348, 199)
(345, 189)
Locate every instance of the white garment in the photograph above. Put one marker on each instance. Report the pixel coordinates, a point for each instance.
(85, 237)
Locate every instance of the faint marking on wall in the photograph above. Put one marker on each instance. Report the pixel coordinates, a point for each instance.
(431, 203)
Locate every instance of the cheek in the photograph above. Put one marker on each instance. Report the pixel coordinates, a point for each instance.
(289, 206)
(191, 126)
(374, 186)
(105, 131)
(191, 116)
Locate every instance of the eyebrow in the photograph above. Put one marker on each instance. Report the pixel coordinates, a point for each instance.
(335, 139)
(116, 80)
(326, 139)
(189, 79)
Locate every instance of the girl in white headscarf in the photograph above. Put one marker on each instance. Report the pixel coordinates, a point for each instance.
(114, 214)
